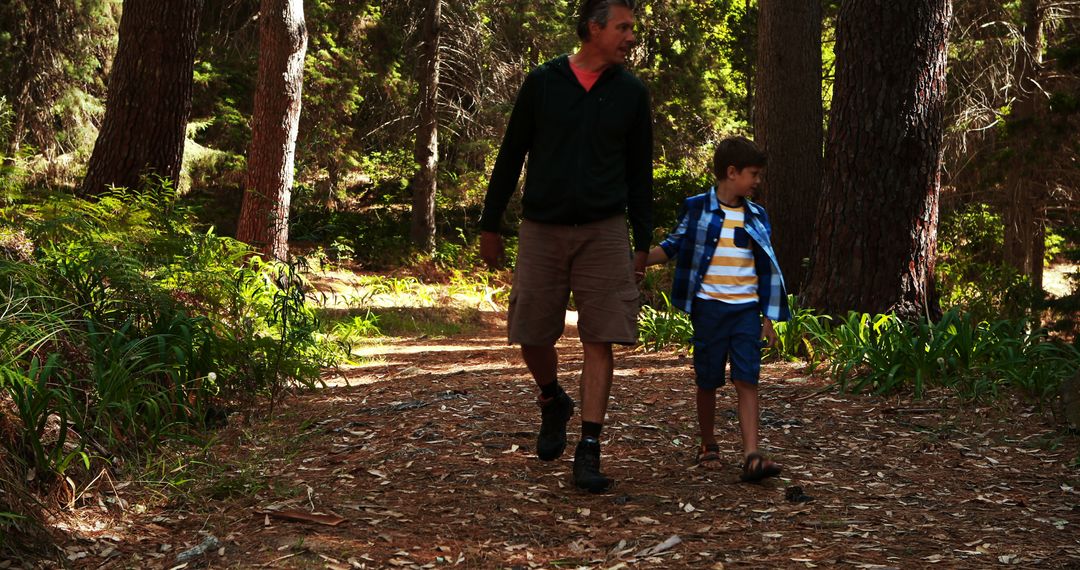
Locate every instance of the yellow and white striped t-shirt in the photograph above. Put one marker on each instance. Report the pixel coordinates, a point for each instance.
(731, 277)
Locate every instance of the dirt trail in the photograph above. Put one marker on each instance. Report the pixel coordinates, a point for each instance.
(426, 461)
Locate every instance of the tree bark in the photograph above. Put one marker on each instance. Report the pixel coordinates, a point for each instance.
(876, 234)
(149, 96)
(264, 215)
(424, 184)
(1025, 193)
(788, 125)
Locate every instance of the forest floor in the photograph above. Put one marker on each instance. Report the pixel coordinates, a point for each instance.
(423, 458)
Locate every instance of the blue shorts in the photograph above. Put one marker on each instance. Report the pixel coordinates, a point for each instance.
(724, 332)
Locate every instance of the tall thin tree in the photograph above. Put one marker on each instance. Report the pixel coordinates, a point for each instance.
(149, 96)
(1025, 187)
(788, 124)
(264, 215)
(876, 234)
(425, 184)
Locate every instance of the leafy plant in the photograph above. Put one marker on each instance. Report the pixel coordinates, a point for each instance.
(975, 358)
(352, 331)
(796, 337)
(36, 400)
(661, 328)
(98, 345)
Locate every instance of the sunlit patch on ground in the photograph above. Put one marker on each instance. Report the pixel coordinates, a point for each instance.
(1057, 281)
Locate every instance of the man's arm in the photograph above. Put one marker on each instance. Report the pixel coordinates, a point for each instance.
(515, 145)
(504, 175)
(639, 176)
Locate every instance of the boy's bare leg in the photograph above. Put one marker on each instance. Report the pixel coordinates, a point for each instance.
(748, 415)
(596, 376)
(706, 415)
(757, 466)
(543, 363)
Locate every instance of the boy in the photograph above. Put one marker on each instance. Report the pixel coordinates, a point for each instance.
(728, 279)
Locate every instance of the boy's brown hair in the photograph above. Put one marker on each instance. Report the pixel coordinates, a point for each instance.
(739, 152)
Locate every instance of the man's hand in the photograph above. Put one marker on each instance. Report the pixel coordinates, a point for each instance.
(768, 333)
(639, 265)
(492, 250)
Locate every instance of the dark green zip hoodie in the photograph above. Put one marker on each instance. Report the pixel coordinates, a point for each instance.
(590, 152)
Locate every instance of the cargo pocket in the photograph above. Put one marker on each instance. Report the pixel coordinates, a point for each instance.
(629, 299)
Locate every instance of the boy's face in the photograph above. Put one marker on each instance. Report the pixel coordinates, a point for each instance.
(744, 182)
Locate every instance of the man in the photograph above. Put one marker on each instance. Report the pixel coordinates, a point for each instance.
(584, 122)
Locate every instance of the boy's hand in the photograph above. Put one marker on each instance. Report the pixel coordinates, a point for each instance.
(767, 333)
(491, 249)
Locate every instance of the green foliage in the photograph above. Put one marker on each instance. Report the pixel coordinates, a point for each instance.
(53, 56)
(797, 337)
(659, 329)
(970, 272)
(975, 358)
(37, 397)
(698, 63)
(354, 149)
(123, 326)
(354, 330)
(674, 183)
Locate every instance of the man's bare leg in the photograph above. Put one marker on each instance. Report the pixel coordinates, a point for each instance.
(556, 407)
(596, 377)
(543, 363)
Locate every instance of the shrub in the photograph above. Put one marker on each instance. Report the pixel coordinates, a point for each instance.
(970, 273)
(975, 358)
(659, 329)
(123, 325)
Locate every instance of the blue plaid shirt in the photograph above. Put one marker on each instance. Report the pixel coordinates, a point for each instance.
(693, 242)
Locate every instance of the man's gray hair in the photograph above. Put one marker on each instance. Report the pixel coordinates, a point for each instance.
(597, 11)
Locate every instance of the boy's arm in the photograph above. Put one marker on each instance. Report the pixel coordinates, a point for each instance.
(660, 254)
(657, 256)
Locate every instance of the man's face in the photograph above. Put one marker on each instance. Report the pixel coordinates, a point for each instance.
(616, 38)
(745, 181)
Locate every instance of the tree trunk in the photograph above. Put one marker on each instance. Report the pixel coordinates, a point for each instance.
(424, 184)
(750, 78)
(876, 233)
(788, 125)
(264, 215)
(149, 96)
(1025, 194)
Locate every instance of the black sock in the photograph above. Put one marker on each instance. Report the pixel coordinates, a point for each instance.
(551, 390)
(591, 429)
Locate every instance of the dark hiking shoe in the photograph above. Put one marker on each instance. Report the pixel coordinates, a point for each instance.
(554, 413)
(587, 473)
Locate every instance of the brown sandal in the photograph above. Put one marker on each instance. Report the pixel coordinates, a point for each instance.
(758, 467)
(708, 457)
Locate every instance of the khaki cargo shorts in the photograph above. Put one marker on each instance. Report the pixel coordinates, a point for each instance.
(591, 261)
